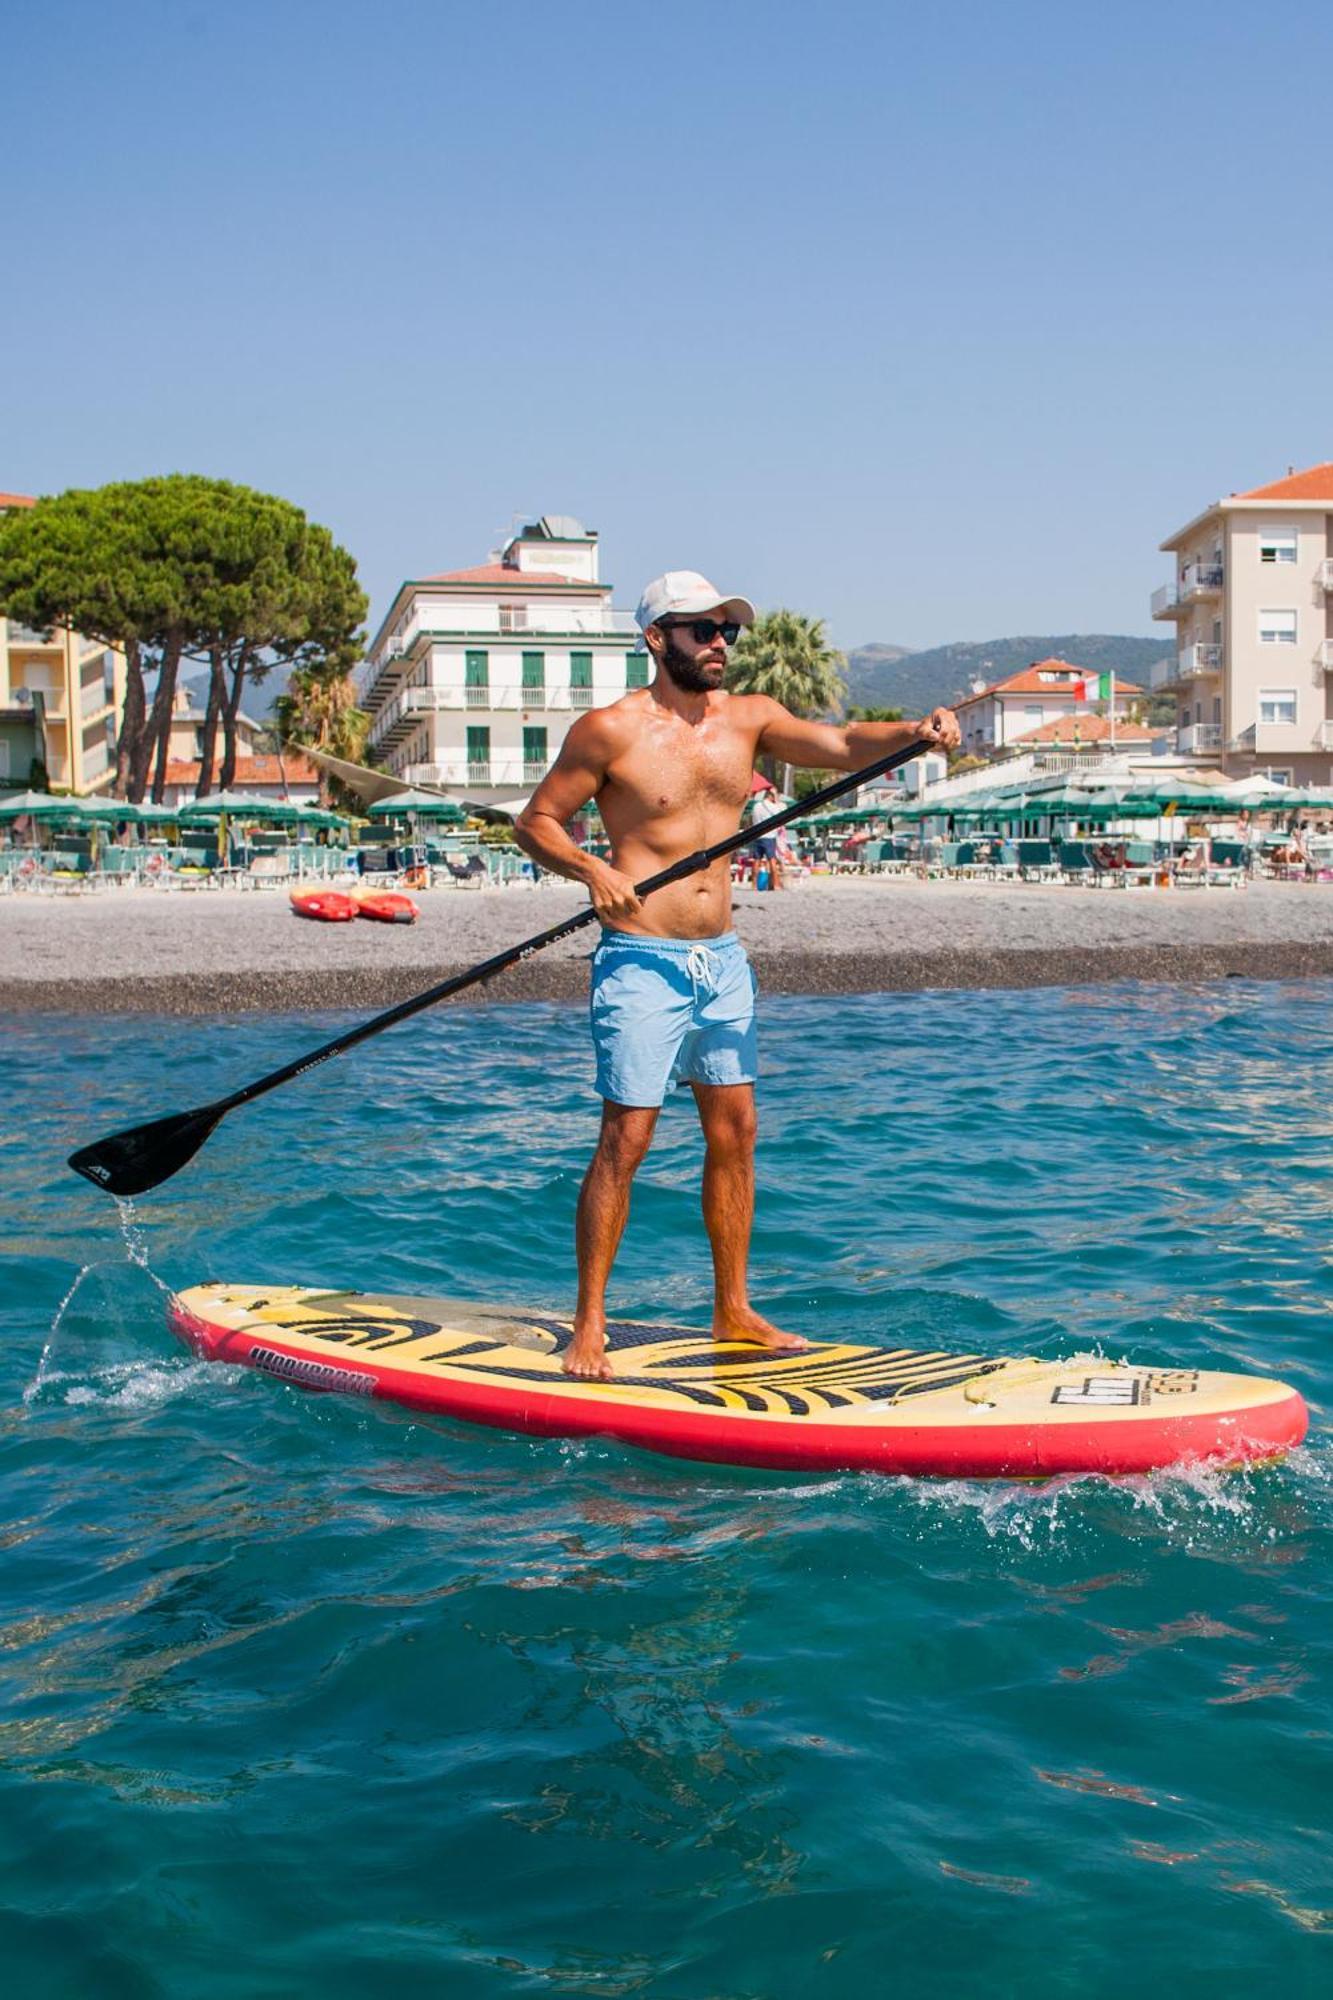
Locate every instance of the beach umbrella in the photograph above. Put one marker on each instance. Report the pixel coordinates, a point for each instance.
(1258, 793)
(319, 816)
(417, 805)
(238, 805)
(35, 805)
(103, 810)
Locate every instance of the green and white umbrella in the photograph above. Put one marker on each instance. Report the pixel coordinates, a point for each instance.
(37, 805)
(239, 805)
(411, 804)
(105, 811)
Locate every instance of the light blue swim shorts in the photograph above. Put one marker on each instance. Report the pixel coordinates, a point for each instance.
(669, 1011)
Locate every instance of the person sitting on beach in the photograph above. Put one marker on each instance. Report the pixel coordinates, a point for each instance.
(670, 766)
(1295, 853)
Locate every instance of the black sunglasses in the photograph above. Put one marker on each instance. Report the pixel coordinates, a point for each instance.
(705, 630)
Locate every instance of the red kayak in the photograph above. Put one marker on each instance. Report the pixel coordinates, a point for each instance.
(386, 906)
(329, 906)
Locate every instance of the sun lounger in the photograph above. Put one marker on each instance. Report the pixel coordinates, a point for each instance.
(1037, 861)
(469, 874)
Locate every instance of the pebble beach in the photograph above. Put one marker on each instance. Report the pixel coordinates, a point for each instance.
(232, 951)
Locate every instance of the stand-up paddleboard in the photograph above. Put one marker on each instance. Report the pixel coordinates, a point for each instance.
(834, 1408)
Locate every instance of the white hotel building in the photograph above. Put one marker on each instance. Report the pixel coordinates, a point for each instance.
(475, 676)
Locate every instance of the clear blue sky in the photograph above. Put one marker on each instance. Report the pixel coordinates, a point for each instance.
(928, 320)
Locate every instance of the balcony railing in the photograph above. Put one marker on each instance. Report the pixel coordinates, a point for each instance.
(1195, 580)
(1323, 575)
(1197, 737)
(1195, 660)
(1324, 655)
(479, 774)
(1323, 735)
(533, 697)
(534, 770)
(581, 698)
(27, 635)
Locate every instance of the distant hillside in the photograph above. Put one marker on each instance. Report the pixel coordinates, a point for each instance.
(886, 677)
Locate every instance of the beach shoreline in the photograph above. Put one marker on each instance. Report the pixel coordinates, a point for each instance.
(227, 951)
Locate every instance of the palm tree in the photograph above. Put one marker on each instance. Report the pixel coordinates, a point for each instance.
(319, 710)
(786, 656)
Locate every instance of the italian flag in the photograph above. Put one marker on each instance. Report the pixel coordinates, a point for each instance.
(1098, 688)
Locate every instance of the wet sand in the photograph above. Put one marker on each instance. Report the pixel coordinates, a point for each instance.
(225, 951)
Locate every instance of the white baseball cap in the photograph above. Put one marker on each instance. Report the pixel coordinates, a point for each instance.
(683, 593)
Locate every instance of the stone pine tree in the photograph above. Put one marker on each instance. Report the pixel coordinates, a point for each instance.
(182, 568)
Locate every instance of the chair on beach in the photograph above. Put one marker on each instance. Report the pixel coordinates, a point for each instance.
(119, 867)
(469, 874)
(64, 871)
(1228, 864)
(1037, 862)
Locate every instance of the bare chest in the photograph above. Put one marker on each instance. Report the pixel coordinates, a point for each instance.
(684, 772)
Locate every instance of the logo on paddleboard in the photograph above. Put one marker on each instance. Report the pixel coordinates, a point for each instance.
(1126, 1390)
(1101, 1391)
(312, 1374)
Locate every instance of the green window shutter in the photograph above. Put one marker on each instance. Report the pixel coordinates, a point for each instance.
(476, 670)
(534, 670)
(636, 670)
(580, 670)
(479, 743)
(534, 745)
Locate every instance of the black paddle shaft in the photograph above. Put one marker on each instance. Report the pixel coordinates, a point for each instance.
(130, 1162)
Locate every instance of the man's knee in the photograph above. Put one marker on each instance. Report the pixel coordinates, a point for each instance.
(625, 1138)
(731, 1124)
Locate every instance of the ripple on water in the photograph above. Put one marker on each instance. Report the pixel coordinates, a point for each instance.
(487, 1714)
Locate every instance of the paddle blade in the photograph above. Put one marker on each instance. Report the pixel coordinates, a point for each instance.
(131, 1162)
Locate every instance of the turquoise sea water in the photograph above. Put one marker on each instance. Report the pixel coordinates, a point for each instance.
(298, 1695)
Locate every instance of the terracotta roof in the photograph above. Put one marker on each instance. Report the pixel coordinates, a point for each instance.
(17, 500)
(249, 771)
(1316, 483)
(1029, 681)
(502, 573)
(1087, 728)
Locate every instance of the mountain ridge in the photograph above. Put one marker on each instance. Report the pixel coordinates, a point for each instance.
(884, 676)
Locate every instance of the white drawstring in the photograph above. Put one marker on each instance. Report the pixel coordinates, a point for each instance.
(701, 964)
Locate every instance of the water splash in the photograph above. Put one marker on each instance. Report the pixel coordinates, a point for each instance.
(42, 1374)
(136, 1245)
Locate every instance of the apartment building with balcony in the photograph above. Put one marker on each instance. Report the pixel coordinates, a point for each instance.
(1252, 606)
(61, 700)
(475, 675)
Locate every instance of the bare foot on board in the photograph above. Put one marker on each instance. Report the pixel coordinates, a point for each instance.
(586, 1357)
(747, 1324)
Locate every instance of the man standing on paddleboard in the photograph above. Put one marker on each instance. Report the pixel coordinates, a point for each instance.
(672, 991)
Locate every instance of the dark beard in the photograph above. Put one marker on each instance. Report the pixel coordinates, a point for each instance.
(687, 673)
